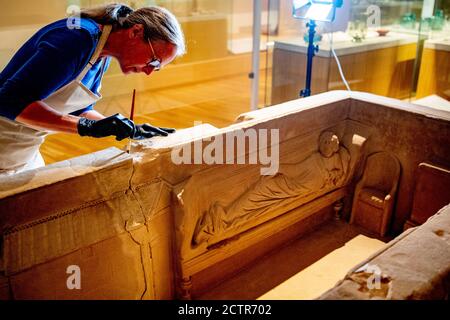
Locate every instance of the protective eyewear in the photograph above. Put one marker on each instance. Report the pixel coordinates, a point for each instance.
(155, 63)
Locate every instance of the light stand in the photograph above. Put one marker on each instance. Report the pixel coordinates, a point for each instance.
(312, 49)
(314, 10)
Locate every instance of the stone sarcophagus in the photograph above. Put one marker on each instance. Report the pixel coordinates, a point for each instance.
(182, 213)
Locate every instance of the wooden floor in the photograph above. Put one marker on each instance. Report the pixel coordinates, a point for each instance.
(216, 102)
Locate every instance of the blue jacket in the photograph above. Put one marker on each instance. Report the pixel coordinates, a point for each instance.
(52, 58)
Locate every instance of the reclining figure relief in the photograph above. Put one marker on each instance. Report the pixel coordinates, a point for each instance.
(322, 171)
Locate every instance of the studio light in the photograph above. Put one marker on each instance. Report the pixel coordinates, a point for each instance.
(314, 10)
(317, 10)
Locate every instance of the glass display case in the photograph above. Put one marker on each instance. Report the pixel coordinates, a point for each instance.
(20, 19)
(381, 51)
(195, 16)
(405, 29)
(433, 81)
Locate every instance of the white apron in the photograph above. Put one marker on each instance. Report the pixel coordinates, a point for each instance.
(19, 144)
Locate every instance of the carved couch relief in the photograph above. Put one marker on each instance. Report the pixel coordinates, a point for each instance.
(325, 169)
(218, 205)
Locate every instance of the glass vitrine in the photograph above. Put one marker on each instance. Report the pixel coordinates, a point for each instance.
(384, 48)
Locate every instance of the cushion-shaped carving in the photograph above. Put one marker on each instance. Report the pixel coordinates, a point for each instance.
(373, 197)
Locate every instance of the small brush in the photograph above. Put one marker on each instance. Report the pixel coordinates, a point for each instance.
(132, 119)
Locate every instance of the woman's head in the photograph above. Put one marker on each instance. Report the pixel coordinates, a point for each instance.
(140, 36)
(328, 144)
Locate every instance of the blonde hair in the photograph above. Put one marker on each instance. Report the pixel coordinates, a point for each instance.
(159, 23)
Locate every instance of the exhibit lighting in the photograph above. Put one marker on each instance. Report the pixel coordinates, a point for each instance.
(317, 10)
(314, 10)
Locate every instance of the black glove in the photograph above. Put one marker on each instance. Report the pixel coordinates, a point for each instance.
(121, 127)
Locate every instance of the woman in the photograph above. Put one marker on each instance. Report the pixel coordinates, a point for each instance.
(52, 83)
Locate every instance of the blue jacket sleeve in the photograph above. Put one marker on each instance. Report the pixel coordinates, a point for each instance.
(59, 58)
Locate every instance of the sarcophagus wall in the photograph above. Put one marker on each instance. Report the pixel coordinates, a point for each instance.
(181, 212)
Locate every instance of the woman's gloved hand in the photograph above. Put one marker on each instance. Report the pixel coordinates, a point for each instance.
(120, 127)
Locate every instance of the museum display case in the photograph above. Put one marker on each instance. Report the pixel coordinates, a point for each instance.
(381, 51)
(229, 25)
(433, 81)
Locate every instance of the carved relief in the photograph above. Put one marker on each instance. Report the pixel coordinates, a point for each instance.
(325, 169)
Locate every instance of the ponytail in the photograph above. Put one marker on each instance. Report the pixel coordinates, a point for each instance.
(113, 14)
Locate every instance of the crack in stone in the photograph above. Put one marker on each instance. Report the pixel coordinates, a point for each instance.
(129, 228)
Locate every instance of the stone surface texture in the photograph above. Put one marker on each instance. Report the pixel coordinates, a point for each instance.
(413, 266)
